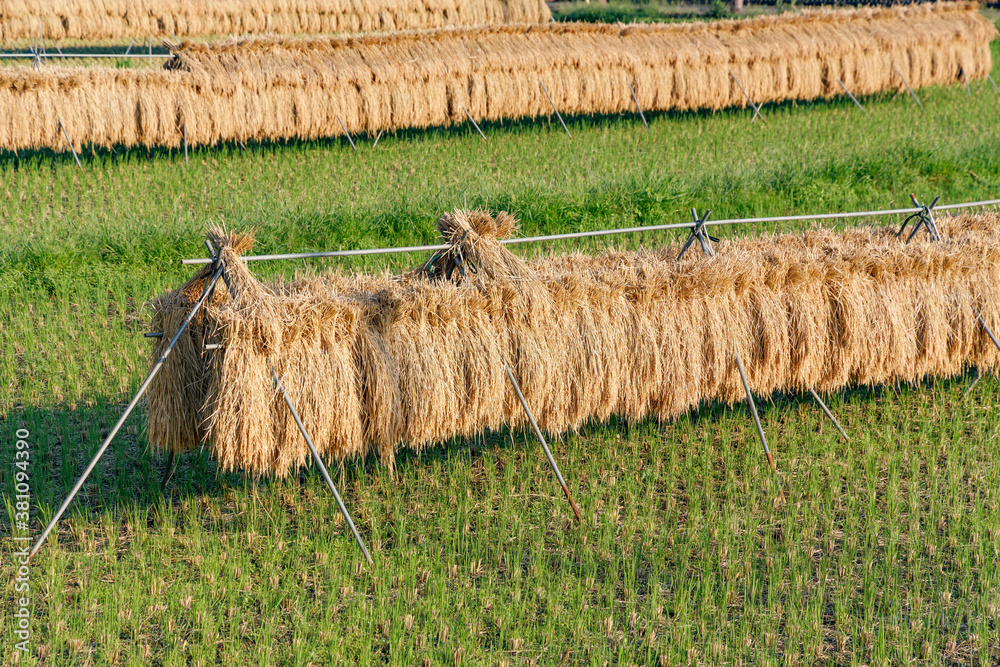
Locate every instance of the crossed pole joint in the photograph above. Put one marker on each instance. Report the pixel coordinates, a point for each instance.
(924, 218)
(698, 233)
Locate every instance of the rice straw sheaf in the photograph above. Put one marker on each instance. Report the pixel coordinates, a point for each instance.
(380, 362)
(275, 89)
(138, 19)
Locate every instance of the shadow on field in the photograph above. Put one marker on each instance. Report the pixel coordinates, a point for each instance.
(842, 403)
(63, 439)
(97, 156)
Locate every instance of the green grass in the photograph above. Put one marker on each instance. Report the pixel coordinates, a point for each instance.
(888, 551)
(629, 12)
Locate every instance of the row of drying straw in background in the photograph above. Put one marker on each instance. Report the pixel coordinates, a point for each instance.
(267, 89)
(374, 363)
(138, 19)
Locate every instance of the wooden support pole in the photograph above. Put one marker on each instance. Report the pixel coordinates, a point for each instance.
(322, 468)
(128, 410)
(167, 471)
(829, 414)
(698, 232)
(756, 421)
(975, 381)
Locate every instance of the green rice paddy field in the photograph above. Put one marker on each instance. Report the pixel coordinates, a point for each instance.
(887, 551)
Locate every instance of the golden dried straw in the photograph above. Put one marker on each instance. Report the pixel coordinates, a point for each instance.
(269, 89)
(379, 362)
(138, 19)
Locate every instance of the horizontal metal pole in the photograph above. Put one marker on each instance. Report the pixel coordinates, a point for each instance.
(947, 207)
(332, 253)
(140, 56)
(600, 232)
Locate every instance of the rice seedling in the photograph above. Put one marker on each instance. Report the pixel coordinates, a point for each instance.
(128, 19)
(277, 89)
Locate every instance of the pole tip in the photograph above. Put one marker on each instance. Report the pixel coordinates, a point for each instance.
(572, 504)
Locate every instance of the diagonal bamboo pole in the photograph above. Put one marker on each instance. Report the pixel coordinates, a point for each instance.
(558, 115)
(989, 332)
(538, 432)
(975, 381)
(347, 134)
(853, 98)
(71, 147)
(756, 421)
(322, 468)
(167, 473)
(128, 410)
(756, 109)
(829, 414)
(698, 232)
(636, 100)
(907, 84)
(474, 123)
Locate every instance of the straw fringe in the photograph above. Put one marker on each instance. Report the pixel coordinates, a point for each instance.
(382, 362)
(271, 89)
(127, 19)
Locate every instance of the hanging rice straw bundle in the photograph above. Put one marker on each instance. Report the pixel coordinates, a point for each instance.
(127, 19)
(378, 362)
(270, 89)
